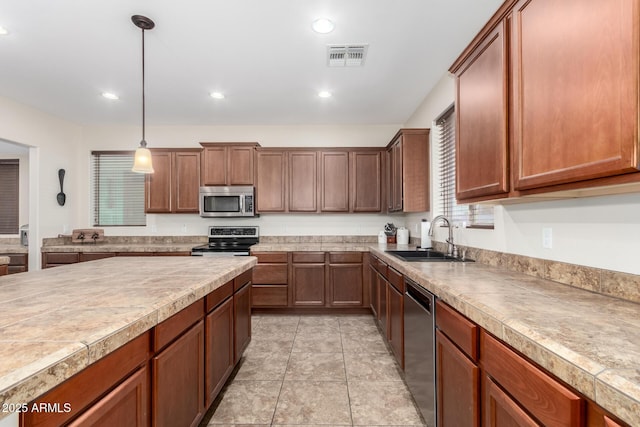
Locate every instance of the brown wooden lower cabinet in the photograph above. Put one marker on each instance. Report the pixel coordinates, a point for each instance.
(501, 410)
(373, 291)
(219, 353)
(307, 285)
(126, 405)
(241, 320)
(54, 259)
(95, 383)
(396, 323)
(4, 270)
(178, 381)
(345, 285)
(458, 385)
(18, 263)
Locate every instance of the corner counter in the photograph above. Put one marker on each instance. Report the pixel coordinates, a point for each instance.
(56, 322)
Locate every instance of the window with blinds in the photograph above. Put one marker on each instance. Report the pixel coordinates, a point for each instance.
(475, 216)
(9, 196)
(117, 196)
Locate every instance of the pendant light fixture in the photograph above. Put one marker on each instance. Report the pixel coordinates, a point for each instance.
(142, 160)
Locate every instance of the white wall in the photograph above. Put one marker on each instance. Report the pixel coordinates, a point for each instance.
(601, 232)
(55, 144)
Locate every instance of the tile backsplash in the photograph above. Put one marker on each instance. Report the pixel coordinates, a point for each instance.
(613, 283)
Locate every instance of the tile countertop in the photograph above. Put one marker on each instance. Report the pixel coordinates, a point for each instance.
(8, 248)
(590, 341)
(122, 247)
(55, 322)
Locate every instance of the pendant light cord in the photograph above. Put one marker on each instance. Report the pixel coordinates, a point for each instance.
(143, 142)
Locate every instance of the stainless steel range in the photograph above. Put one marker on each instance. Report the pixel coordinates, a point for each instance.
(228, 241)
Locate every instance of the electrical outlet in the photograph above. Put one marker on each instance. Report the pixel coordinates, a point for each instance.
(154, 228)
(547, 237)
(184, 228)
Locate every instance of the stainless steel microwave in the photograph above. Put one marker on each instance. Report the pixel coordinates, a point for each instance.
(227, 201)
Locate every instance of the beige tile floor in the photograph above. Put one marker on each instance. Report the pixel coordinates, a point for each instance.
(328, 370)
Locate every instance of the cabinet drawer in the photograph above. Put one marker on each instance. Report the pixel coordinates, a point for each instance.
(396, 279)
(381, 266)
(62, 257)
(345, 257)
(168, 330)
(88, 385)
(270, 274)
(459, 329)
(242, 279)
(270, 257)
(17, 259)
(219, 295)
(542, 396)
(308, 257)
(269, 296)
(91, 256)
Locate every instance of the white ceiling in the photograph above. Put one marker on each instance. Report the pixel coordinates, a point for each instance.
(262, 54)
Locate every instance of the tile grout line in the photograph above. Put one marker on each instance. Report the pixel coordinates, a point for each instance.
(346, 378)
(275, 409)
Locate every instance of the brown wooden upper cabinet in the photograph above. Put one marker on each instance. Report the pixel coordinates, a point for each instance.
(303, 181)
(482, 162)
(174, 185)
(319, 180)
(271, 180)
(548, 99)
(408, 171)
(228, 164)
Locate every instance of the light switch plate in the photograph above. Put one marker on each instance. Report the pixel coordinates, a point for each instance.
(547, 237)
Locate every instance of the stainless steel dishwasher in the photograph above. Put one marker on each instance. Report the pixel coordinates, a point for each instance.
(419, 349)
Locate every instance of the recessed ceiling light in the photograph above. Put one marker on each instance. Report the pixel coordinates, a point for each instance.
(3, 31)
(324, 94)
(110, 95)
(323, 25)
(217, 95)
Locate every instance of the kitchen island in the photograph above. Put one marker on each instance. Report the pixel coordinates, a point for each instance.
(55, 323)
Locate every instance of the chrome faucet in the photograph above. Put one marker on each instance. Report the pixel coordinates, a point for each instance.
(451, 249)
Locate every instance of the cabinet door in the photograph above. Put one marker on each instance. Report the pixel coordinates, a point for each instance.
(240, 170)
(575, 90)
(501, 411)
(345, 285)
(158, 184)
(366, 181)
(303, 177)
(219, 357)
(187, 181)
(334, 181)
(383, 314)
(307, 285)
(214, 165)
(126, 405)
(458, 382)
(396, 175)
(396, 324)
(271, 181)
(178, 381)
(373, 286)
(481, 120)
(241, 320)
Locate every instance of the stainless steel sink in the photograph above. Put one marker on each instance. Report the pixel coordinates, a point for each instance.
(425, 256)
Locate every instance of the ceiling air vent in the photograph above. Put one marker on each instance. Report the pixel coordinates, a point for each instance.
(346, 55)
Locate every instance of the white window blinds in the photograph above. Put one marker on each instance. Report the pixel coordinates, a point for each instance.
(9, 195)
(475, 216)
(117, 197)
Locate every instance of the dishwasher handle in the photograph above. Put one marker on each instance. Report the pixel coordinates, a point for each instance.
(421, 296)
